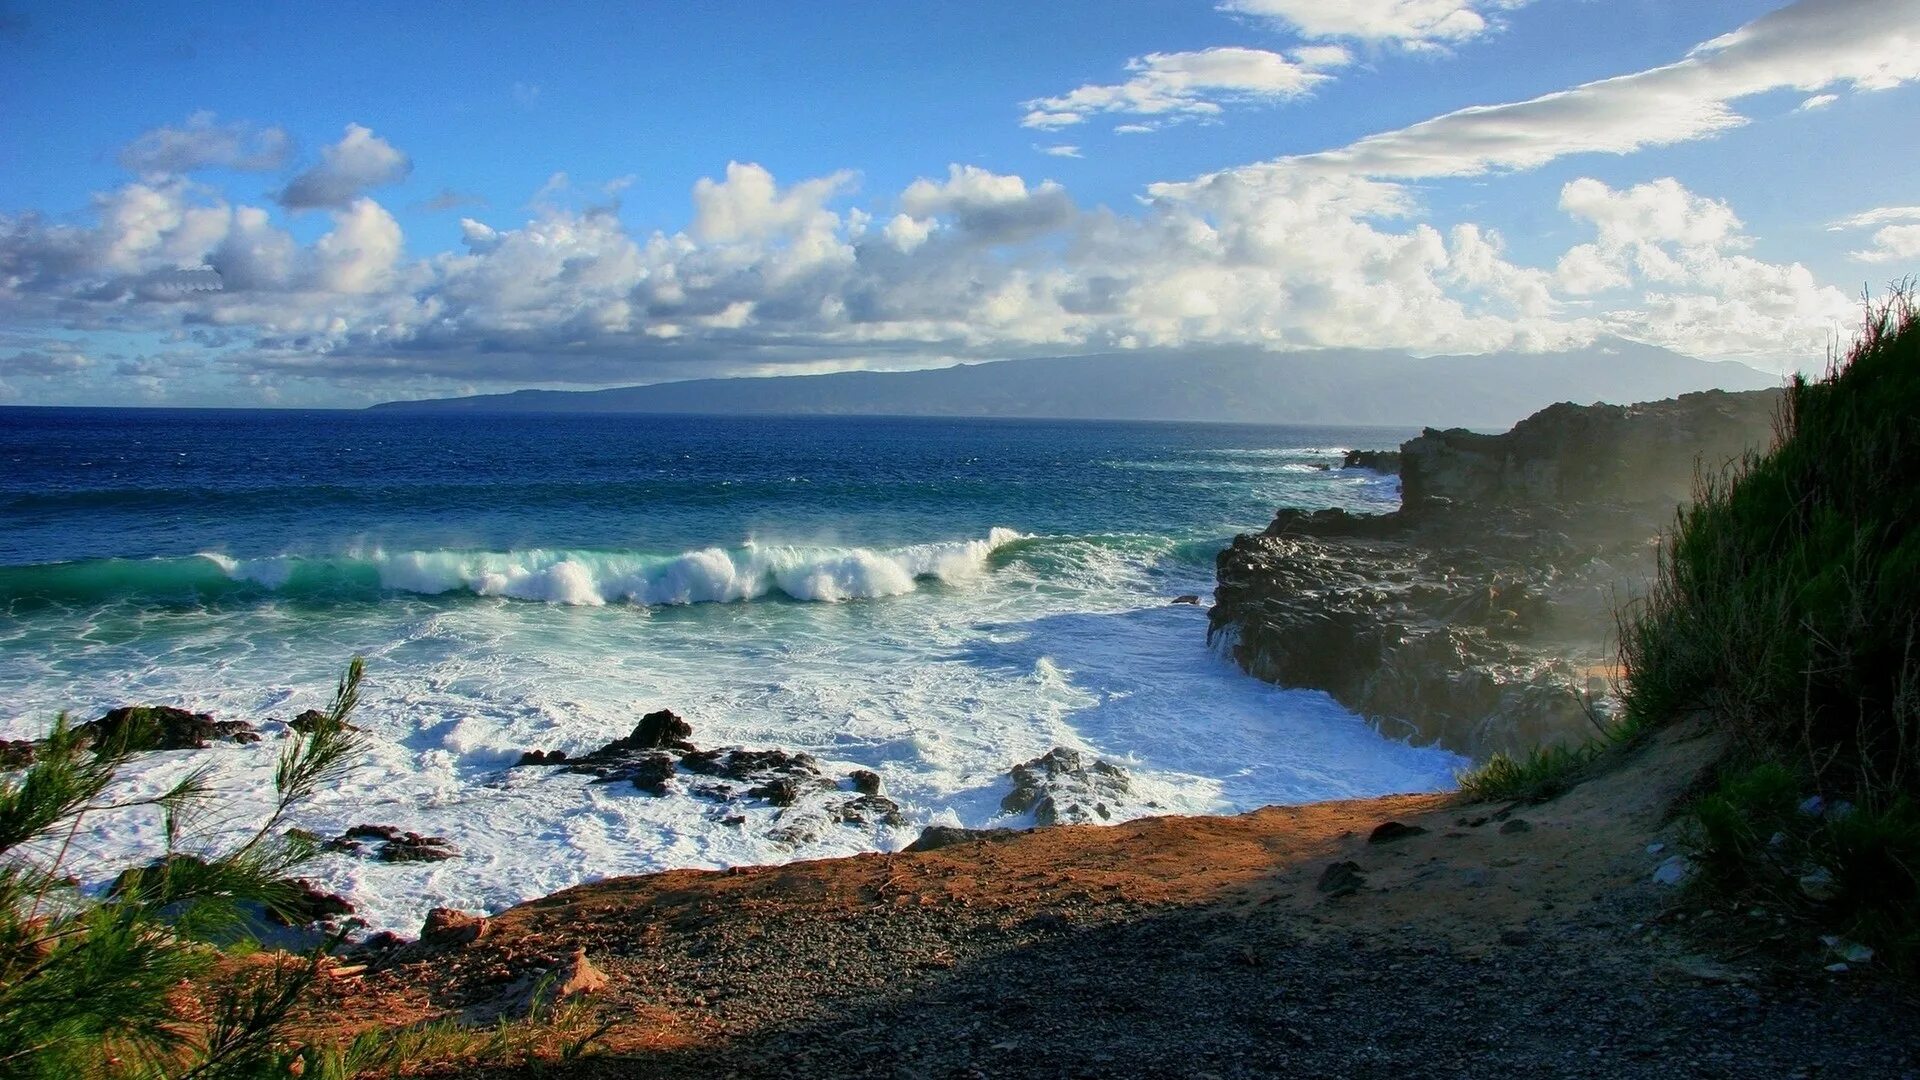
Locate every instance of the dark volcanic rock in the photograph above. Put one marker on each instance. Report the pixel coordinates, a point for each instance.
(308, 906)
(935, 837)
(314, 720)
(162, 727)
(17, 753)
(541, 757)
(867, 810)
(865, 781)
(1380, 461)
(1059, 787)
(393, 844)
(1473, 615)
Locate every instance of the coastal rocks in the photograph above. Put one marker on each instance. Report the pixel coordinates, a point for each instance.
(1061, 787)
(1380, 461)
(660, 749)
(935, 837)
(1476, 616)
(309, 905)
(1388, 831)
(314, 720)
(162, 727)
(447, 926)
(391, 844)
(17, 753)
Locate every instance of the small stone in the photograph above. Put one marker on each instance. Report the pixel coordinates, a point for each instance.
(1818, 884)
(1675, 870)
(1655, 849)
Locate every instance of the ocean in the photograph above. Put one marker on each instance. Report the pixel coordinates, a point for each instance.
(934, 600)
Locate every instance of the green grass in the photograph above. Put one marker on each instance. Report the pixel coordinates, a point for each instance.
(1547, 772)
(1786, 606)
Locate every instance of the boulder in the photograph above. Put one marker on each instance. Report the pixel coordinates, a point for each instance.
(1388, 831)
(1343, 878)
(865, 782)
(162, 727)
(447, 926)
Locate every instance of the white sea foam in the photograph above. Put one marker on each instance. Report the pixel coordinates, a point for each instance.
(594, 578)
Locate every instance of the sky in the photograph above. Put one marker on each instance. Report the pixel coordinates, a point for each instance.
(331, 205)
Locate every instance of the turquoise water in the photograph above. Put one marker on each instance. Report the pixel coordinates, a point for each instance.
(935, 600)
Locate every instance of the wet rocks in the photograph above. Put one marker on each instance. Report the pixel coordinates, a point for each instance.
(1380, 461)
(864, 781)
(541, 757)
(1191, 599)
(391, 844)
(867, 810)
(314, 720)
(1472, 616)
(309, 905)
(162, 727)
(1062, 787)
(935, 837)
(17, 753)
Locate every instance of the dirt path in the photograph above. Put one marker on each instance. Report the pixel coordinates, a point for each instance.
(1526, 942)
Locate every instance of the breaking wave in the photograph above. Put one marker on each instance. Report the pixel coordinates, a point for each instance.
(585, 578)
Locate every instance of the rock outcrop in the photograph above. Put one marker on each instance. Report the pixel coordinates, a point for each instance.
(162, 727)
(1477, 615)
(1062, 787)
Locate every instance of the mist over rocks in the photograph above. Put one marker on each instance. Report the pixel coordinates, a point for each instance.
(1476, 615)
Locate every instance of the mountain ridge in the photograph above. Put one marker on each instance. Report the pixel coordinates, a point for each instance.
(1340, 386)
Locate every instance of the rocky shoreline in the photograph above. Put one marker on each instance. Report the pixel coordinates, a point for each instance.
(1477, 615)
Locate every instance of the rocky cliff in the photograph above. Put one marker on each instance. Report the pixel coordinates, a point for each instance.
(1478, 615)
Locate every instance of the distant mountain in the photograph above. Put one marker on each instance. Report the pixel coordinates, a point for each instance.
(1338, 386)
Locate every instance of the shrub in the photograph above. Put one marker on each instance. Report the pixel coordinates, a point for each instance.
(1787, 606)
(90, 987)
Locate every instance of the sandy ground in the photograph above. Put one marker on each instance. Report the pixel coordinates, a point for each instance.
(1522, 940)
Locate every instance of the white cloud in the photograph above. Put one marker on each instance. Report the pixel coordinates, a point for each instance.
(359, 161)
(1811, 45)
(205, 143)
(1894, 241)
(1817, 101)
(749, 205)
(1062, 150)
(1867, 219)
(1413, 24)
(1892, 244)
(1187, 84)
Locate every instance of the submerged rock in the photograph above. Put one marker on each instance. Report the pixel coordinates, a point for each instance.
(865, 781)
(314, 720)
(866, 810)
(1061, 787)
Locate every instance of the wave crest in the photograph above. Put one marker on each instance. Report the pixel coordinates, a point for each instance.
(582, 578)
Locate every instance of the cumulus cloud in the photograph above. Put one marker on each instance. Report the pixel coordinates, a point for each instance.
(1172, 86)
(1412, 24)
(205, 143)
(347, 169)
(1308, 252)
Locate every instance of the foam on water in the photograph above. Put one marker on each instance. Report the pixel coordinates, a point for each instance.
(967, 656)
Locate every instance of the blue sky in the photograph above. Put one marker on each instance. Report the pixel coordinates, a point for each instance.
(403, 200)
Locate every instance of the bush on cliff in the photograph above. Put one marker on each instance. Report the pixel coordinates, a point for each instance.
(132, 984)
(1787, 606)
